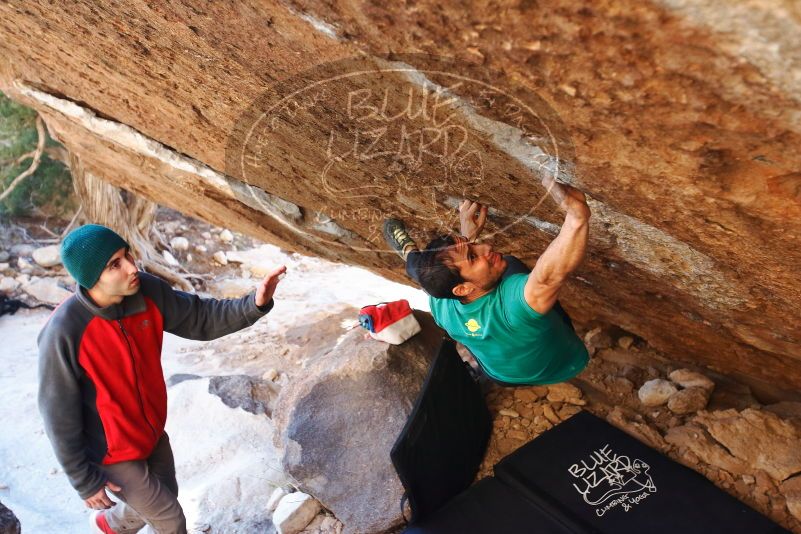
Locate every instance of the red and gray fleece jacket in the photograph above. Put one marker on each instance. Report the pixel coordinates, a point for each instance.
(101, 387)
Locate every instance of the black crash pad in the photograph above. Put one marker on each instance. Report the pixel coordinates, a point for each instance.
(493, 507)
(608, 482)
(440, 449)
(585, 476)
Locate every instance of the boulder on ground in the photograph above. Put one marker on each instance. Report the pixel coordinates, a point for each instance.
(226, 236)
(625, 342)
(47, 290)
(253, 395)
(337, 424)
(8, 285)
(258, 261)
(275, 497)
(691, 379)
(564, 392)
(24, 265)
(49, 256)
(688, 400)
(596, 339)
(232, 288)
(22, 249)
(323, 524)
(530, 393)
(179, 243)
(169, 258)
(656, 392)
(220, 257)
(294, 512)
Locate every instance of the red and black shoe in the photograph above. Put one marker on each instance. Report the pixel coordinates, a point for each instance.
(98, 523)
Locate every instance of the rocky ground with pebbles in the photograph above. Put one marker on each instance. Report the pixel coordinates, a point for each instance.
(711, 423)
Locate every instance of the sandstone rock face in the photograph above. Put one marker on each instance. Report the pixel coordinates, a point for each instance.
(786, 410)
(743, 442)
(338, 423)
(791, 489)
(681, 120)
(760, 438)
(695, 439)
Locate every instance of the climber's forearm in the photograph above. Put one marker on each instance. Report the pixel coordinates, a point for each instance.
(565, 253)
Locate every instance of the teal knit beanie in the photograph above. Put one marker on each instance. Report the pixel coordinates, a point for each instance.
(86, 250)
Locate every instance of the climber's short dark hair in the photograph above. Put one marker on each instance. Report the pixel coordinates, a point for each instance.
(437, 276)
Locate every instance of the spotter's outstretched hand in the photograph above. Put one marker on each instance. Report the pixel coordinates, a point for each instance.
(267, 287)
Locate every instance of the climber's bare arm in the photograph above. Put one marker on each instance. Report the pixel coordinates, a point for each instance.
(565, 252)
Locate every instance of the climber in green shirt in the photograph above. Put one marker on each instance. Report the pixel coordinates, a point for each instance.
(509, 318)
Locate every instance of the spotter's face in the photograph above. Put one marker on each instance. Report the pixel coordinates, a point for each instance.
(119, 279)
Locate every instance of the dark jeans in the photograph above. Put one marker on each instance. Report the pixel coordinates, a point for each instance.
(513, 266)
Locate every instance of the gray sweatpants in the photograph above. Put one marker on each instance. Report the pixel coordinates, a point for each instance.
(149, 494)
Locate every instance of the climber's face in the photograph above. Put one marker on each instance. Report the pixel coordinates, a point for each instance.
(479, 266)
(119, 279)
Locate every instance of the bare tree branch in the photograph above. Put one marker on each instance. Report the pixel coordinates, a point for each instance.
(19, 160)
(37, 158)
(74, 219)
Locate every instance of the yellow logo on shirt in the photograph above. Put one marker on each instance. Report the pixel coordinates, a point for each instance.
(473, 325)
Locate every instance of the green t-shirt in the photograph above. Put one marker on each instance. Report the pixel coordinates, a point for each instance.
(514, 343)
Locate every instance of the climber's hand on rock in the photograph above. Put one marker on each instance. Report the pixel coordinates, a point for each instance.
(101, 500)
(575, 203)
(267, 287)
(472, 218)
(567, 197)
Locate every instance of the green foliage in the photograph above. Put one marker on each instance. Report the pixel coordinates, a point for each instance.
(49, 190)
